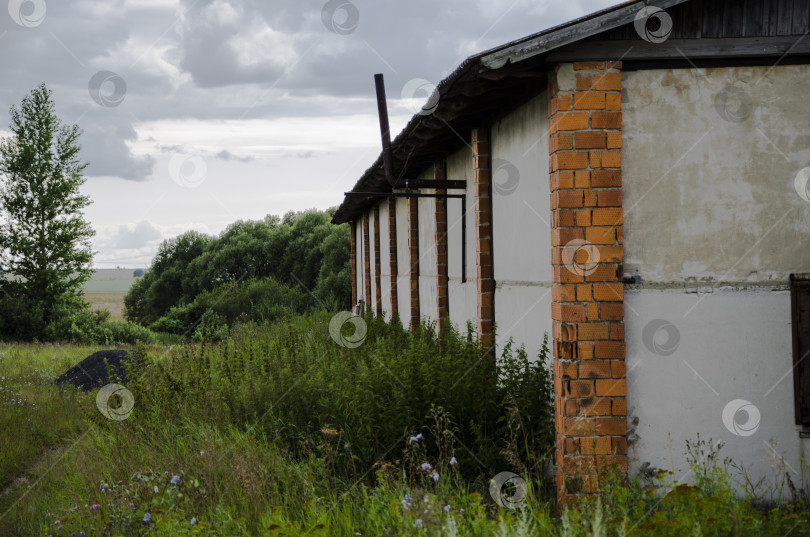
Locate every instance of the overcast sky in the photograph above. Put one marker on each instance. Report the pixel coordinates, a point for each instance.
(197, 113)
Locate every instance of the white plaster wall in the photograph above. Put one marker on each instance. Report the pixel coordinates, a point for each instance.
(372, 261)
(428, 291)
(359, 245)
(712, 199)
(385, 260)
(403, 263)
(521, 233)
(714, 349)
(711, 205)
(462, 295)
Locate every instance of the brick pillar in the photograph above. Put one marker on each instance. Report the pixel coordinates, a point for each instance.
(354, 264)
(443, 302)
(585, 122)
(366, 263)
(482, 180)
(413, 243)
(392, 255)
(377, 281)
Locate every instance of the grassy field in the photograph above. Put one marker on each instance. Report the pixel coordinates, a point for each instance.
(279, 431)
(106, 289)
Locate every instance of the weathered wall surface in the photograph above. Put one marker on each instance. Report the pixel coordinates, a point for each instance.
(462, 295)
(713, 227)
(385, 261)
(521, 233)
(403, 263)
(428, 299)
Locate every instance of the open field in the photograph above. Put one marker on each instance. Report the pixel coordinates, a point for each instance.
(110, 281)
(106, 289)
(280, 431)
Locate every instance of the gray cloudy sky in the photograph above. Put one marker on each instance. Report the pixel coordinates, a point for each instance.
(197, 113)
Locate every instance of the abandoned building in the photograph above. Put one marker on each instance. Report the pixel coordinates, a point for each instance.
(633, 183)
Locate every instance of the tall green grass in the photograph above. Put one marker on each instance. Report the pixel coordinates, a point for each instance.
(279, 430)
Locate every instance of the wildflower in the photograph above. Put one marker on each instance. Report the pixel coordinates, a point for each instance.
(416, 438)
(193, 521)
(426, 466)
(453, 461)
(434, 475)
(47, 515)
(408, 497)
(447, 508)
(418, 523)
(81, 533)
(146, 517)
(175, 480)
(461, 510)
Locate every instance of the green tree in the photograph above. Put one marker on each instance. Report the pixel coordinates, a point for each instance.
(44, 237)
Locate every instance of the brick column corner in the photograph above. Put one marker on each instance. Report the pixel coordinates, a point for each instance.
(392, 256)
(413, 244)
(366, 264)
(377, 264)
(442, 297)
(585, 139)
(482, 180)
(354, 263)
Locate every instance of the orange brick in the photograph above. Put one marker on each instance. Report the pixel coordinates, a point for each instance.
(564, 102)
(589, 100)
(606, 178)
(600, 235)
(611, 312)
(609, 349)
(583, 82)
(570, 198)
(580, 388)
(610, 388)
(563, 275)
(568, 313)
(611, 254)
(582, 179)
(611, 426)
(579, 465)
(614, 139)
(619, 407)
(617, 331)
(583, 292)
(606, 120)
(562, 218)
(599, 445)
(561, 179)
(607, 82)
(613, 65)
(607, 462)
(594, 369)
(618, 445)
(592, 312)
(607, 217)
(595, 158)
(589, 198)
(592, 331)
(563, 293)
(613, 101)
(579, 426)
(610, 198)
(590, 140)
(580, 66)
(612, 159)
(572, 121)
(618, 369)
(604, 272)
(585, 350)
(595, 407)
(608, 292)
(570, 160)
(584, 218)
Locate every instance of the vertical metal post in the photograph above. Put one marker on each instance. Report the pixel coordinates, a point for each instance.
(385, 130)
